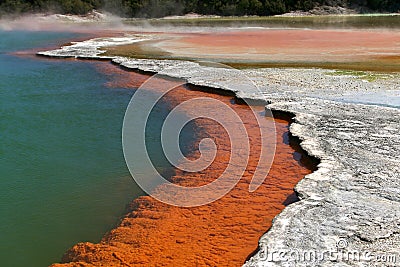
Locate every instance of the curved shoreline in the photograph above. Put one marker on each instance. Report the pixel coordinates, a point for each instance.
(206, 235)
(354, 193)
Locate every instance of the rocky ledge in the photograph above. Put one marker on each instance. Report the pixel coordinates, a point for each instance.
(349, 209)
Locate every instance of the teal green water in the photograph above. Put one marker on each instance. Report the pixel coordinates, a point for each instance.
(63, 177)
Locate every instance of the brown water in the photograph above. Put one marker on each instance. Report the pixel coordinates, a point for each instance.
(353, 49)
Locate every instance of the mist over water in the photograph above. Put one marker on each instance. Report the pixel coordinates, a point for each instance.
(103, 22)
(61, 23)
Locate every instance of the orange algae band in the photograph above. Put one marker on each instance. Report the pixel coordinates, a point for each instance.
(222, 233)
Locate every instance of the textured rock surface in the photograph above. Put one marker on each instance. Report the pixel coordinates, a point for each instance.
(354, 195)
(352, 202)
(91, 48)
(156, 234)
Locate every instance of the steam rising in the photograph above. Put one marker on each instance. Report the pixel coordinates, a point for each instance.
(41, 22)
